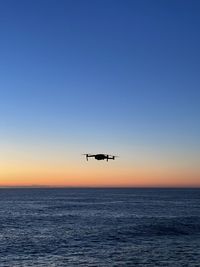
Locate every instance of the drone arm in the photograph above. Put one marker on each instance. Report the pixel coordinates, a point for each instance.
(112, 157)
(88, 156)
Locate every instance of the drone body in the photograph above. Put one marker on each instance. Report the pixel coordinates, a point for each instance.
(100, 156)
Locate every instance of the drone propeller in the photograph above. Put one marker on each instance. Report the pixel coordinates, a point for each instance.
(113, 156)
(87, 155)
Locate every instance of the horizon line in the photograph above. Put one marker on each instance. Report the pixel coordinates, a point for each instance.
(96, 187)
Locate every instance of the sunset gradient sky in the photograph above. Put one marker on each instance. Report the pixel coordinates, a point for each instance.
(105, 76)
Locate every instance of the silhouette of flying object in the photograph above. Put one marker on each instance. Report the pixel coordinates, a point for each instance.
(100, 156)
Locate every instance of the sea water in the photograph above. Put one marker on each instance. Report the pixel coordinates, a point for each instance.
(99, 227)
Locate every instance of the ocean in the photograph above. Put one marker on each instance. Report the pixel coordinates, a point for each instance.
(57, 227)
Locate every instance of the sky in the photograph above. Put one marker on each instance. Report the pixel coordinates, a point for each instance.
(104, 76)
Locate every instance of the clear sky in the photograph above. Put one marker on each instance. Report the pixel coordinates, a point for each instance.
(100, 76)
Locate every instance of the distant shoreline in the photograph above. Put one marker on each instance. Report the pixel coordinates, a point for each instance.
(97, 187)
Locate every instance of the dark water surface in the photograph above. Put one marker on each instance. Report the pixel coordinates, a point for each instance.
(99, 227)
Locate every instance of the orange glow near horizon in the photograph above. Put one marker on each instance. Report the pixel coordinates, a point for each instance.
(99, 178)
(23, 167)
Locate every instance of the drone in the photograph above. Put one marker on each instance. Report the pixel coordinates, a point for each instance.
(100, 156)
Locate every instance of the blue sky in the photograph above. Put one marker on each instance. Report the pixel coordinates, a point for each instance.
(104, 74)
